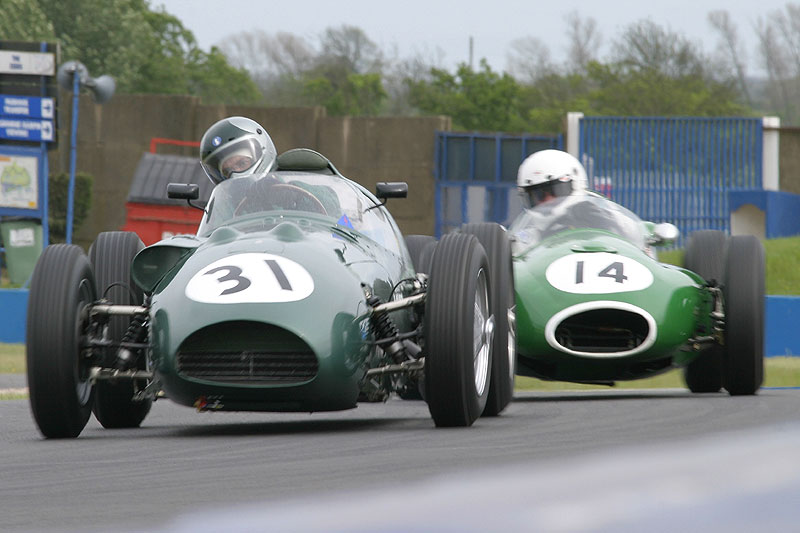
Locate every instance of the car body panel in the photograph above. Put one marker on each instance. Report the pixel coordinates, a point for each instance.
(593, 306)
(286, 282)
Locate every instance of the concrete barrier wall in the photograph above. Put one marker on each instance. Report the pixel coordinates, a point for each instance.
(113, 136)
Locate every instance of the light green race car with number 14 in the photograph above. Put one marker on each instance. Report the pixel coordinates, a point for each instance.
(594, 305)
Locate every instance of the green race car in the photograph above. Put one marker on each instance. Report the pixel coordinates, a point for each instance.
(298, 293)
(594, 305)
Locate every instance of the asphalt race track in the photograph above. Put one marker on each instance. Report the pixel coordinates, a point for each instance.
(613, 460)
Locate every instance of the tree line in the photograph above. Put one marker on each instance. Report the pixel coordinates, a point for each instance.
(649, 70)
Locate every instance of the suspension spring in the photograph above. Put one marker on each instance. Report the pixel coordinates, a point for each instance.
(135, 335)
(384, 328)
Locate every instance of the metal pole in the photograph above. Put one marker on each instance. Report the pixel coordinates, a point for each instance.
(72, 152)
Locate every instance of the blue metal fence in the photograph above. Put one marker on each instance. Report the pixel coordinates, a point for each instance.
(476, 176)
(677, 170)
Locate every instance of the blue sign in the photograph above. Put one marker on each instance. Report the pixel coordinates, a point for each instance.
(21, 129)
(27, 106)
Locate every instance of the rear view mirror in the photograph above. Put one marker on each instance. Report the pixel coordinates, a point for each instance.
(183, 191)
(664, 234)
(392, 189)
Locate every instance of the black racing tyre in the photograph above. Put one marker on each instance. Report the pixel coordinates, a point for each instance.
(494, 239)
(111, 255)
(62, 287)
(744, 316)
(705, 256)
(420, 248)
(458, 328)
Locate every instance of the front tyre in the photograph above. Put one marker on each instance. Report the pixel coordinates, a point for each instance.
(111, 256)
(459, 330)
(62, 289)
(744, 316)
(705, 256)
(495, 242)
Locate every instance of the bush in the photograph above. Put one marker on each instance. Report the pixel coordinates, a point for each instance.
(58, 190)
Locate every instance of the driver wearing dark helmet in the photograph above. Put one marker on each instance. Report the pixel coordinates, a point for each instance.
(236, 147)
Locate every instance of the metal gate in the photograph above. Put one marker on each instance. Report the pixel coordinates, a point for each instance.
(476, 176)
(677, 170)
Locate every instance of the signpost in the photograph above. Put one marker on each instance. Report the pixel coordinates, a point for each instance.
(27, 128)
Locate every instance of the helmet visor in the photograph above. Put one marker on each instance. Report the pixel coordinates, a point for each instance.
(549, 189)
(233, 158)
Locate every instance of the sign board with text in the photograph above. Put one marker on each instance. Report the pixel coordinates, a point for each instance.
(17, 129)
(32, 63)
(26, 106)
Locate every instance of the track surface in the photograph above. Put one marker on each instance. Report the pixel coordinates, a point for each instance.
(181, 463)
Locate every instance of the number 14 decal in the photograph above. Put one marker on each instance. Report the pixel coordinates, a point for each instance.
(598, 273)
(613, 271)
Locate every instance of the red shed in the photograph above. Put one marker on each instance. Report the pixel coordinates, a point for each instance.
(151, 214)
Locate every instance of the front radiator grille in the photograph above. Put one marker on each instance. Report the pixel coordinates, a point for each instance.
(602, 331)
(246, 353)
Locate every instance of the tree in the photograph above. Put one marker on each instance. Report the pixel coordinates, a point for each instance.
(649, 91)
(529, 60)
(355, 95)
(144, 50)
(645, 46)
(779, 50)
(729, 49)
(476, 100)
(23, 20)
(584, 41)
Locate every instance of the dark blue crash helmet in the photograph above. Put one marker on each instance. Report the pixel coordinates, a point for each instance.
(236, 147)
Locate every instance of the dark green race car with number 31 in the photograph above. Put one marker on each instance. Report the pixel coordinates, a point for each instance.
(298, 293)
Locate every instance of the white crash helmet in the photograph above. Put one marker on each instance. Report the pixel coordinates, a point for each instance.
(550, 173)
(236, 147)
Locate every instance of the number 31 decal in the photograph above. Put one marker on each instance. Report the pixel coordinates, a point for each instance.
(250, 278)
(598, 273)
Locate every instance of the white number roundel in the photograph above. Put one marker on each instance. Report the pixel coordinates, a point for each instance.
(250, 278)
(598, 273)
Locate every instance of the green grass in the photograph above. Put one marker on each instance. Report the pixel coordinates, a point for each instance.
(783, 256)
(12, 358)
(778, 372)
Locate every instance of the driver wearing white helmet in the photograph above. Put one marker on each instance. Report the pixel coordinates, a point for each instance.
(549, 174)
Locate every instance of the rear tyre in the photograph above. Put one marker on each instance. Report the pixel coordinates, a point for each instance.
(744, 316)
(420, 248)
(111, 256)
(705, 256)
(62, 288)
(459, 330)
(494, 240)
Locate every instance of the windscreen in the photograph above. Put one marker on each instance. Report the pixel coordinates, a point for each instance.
(576, 212)
(295, 194)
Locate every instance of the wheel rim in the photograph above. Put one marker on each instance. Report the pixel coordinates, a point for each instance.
(83, 388)
(483, 331)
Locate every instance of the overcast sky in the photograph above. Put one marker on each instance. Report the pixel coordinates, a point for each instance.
(426, 26)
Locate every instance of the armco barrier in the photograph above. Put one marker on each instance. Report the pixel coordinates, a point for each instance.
(782, 335)
(13, 310)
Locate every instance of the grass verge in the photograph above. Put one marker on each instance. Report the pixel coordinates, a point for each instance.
(12, 358)
(779, 372)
